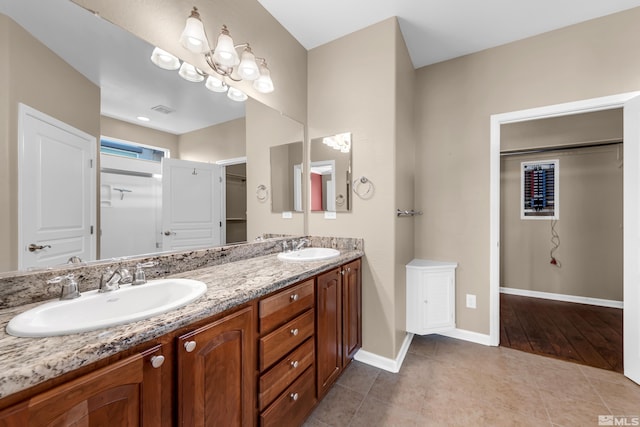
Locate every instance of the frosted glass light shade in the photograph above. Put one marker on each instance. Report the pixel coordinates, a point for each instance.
(263, 84)
(225, 52)
(193, 36)
(215, 85)
(236, 94)
(248, 69)
(189, 73)
(164, 59)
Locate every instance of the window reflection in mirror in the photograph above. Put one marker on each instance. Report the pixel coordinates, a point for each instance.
(286, 177)
(330, 173)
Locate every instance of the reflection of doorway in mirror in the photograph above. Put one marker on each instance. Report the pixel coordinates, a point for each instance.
(235, 202)
(56, 191)
(297, 187)
(323, 185)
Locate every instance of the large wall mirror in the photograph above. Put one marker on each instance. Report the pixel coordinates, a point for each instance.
(330, 173)
(286, 177)
(199, 126)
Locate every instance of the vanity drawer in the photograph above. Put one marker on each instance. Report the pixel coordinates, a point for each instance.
(294, 404)
(284, 306)
(284, 339)
(284, 373)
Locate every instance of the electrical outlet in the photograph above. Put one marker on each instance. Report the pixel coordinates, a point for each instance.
(471, 301)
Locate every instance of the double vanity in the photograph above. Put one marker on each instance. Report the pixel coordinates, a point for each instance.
(262, 345)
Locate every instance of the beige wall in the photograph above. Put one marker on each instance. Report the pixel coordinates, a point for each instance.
(126, 131)
(220, 142)
(404, 177)
(60, 92)
(455, 101)
(281, 130)
(370, 76)
(7, 260)
(161, 22)
(590, 227)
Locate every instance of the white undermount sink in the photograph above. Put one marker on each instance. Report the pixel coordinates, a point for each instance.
(309, 254)
(94, 310)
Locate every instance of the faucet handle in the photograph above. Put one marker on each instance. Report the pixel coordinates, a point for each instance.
(139, 276)
(69, 289)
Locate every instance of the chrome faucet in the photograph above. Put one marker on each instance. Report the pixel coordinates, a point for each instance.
(111, 280)
(301, 244)
(139, 276)
(69, 288)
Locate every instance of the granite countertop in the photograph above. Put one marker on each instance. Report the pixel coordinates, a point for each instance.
(25, 362)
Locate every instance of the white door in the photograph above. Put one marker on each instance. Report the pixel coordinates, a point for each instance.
(190, 217)
(631, 327)
(56, 191)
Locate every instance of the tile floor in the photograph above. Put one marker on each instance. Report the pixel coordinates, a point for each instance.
(447, 382)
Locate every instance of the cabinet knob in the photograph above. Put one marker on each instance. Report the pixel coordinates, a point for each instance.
(294, 364)
(342, 272)
(295, 332)
(190, 346)
(348, 269)
(294, 396)
(157, 361)
(294, 297)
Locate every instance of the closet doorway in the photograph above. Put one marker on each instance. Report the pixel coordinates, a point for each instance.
(631, 244)
(561, 237)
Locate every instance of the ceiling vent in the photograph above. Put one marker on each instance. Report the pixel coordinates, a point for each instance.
(163, 109)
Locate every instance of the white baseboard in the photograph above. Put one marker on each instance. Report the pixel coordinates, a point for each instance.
(561, 297)
(464, 335)
(385, 363)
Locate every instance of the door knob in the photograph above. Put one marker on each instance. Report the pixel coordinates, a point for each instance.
(33, 247)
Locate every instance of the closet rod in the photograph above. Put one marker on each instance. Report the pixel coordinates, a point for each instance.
(559, 148)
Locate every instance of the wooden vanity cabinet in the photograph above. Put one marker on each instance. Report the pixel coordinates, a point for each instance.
(215, 373)
(338, 322)
(124, 393)
(286, 355)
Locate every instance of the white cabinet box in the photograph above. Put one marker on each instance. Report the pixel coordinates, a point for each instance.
(431, 296)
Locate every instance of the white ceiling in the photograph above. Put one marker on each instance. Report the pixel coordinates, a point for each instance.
(437, 30)
(434, 30)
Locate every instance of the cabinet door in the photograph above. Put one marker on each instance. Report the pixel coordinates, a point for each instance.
(351, 311)
(329, 329)
(216, 384)
(113, 395)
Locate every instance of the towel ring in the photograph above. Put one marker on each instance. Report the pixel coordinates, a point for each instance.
(363, 187)
(262, 193)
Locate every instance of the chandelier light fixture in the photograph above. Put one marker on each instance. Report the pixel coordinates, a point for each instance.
(223, 60)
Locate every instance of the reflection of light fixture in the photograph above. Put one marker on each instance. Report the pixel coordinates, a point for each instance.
(214, 84)
(190, 73)
(341, 142)
(236, 94)
(164, 59)
(223, 59)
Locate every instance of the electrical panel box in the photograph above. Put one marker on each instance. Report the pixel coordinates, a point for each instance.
(540, 190)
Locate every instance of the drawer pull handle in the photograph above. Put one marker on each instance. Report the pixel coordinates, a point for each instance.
(294, 297)
(294, 396)
(295, 332)
(190, 346)
(294, 364)
(157, 361)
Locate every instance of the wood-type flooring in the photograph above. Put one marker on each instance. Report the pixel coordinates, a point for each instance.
(586, 334)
